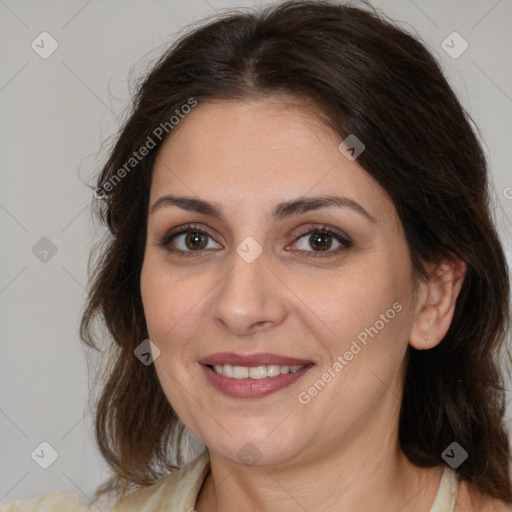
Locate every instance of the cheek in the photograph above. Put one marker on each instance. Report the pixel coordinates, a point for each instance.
(362, 328)
(362, 322)
(169, 307)
(340, 306)
(170, 303)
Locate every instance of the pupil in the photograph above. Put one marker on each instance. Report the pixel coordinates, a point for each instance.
(196, 242)
(319, 241)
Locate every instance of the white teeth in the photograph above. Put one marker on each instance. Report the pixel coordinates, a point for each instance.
(240, 372)
(227, 370)
(257, 372)
(254, 372)
(273, 370)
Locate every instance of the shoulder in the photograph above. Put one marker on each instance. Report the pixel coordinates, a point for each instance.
(468, 501)
(49, 501)
(169, 493)
(178, 491)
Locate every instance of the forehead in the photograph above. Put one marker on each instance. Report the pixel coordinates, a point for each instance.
(246, 151)
(265, 130)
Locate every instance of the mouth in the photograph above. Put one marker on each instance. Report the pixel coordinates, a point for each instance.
(254, 376)
(254, 372)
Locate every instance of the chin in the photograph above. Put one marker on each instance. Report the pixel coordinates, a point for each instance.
(267, 448)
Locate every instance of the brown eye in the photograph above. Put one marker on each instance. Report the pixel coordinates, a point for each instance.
(196, 240)
(322, 242)
(188, 240)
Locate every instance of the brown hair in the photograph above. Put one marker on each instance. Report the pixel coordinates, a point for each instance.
(368, 77)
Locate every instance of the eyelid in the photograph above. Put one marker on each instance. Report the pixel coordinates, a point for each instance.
(344, 239)
(181, 230)
(321, 228)
(185, 229)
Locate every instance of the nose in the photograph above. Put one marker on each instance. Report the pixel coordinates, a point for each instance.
(250, 298)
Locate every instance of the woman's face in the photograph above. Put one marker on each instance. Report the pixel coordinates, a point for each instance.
(279, 341)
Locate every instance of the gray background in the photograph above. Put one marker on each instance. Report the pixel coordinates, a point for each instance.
(57, 112)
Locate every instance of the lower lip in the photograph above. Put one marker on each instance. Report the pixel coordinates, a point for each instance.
(252, 388)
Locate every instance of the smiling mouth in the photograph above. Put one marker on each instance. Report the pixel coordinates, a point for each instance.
(254, 375)
(251, 382)
(254, 372)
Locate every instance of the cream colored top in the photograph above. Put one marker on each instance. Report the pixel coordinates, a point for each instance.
(178, 493)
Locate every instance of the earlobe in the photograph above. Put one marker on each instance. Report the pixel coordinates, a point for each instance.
(424, 331)
(427, 333)
(436, 304)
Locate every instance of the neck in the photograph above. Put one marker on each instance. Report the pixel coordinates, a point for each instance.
(367, 471)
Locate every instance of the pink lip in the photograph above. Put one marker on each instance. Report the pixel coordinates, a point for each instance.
(251, 359)
(252, 388)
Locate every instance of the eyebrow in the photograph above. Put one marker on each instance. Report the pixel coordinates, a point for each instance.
(280, 211)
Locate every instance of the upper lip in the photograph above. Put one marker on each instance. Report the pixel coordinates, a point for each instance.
(261, 359)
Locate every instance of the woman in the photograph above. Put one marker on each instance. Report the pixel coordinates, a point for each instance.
(300, 224)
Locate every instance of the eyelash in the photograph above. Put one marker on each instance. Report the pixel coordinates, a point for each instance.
(345, 242)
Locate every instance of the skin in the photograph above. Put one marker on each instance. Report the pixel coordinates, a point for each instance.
(327, 454)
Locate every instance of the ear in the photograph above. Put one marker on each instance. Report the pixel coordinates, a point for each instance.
(436, 301)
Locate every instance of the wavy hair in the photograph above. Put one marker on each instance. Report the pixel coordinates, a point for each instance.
(367, 76)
